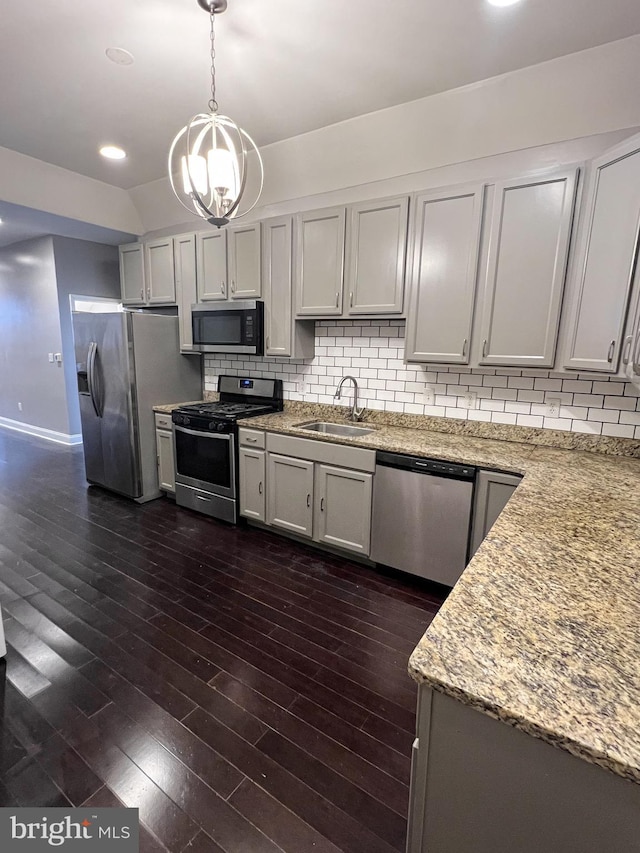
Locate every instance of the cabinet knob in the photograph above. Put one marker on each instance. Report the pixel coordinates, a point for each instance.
(612, 348)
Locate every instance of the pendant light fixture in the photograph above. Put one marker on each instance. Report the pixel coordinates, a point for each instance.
(210, 157)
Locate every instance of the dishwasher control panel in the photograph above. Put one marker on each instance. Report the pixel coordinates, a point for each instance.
(426, 466)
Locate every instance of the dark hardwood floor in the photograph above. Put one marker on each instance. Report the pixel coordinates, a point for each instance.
(246, 693)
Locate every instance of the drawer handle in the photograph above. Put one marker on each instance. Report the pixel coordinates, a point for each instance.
(321, 504)
(251, 440)
(612, 347)
(484, 348)
(308, 500)
(260, 487)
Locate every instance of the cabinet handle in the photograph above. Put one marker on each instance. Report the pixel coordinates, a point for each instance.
(321, 504)
(351, 300)
(268, 341)
(464, 347)
(627, 349)
(337, 299)
(142, 293)
(484, 348)
(612, 347)
(260, 487)
(634, 357)
(222, 287)
(233, 286)
(308, 500)
(251, 440)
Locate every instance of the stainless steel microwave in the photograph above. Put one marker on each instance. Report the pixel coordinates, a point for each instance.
(229, 326)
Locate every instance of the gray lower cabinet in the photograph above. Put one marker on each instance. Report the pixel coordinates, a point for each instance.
(252, 464)
(290, 494)
(482, 786)
(343, 508)
(493, 491)
(165, 454)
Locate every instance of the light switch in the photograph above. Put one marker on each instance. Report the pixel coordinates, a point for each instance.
(58, 357)
(51, 358)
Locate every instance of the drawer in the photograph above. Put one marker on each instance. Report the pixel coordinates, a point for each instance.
(163, 421)
(252, 438)
(357, 458)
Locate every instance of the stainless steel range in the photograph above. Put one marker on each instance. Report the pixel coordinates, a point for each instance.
(206, 447)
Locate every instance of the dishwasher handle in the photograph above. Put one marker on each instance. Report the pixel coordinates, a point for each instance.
(435, 467)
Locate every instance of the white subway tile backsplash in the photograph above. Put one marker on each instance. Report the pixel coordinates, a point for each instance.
(373, 351)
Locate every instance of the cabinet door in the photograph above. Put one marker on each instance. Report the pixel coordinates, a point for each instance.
(161, 282)
(243, 244)
(252, 480)
(211, 253)
(343, 508)
(276, 273)
(132, 274)
(608, 252)
(290, 494)
(376, 247)
(166, 464)
(493, 491)
(184, 252)
(443, 277)
(526, 269)
(319, 266)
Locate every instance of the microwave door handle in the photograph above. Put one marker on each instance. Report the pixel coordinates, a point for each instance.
(91, 366)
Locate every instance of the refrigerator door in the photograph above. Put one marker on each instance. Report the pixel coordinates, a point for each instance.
(104, 356)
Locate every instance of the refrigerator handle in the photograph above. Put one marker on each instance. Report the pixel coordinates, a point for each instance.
(91, 365)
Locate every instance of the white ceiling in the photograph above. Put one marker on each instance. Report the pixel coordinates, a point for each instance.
(284, 66)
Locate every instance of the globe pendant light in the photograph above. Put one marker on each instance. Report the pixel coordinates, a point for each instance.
(210, 157)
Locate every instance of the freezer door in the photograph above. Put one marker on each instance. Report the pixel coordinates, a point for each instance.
(104, 353)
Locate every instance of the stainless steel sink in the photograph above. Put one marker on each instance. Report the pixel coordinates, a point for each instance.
(335, 429)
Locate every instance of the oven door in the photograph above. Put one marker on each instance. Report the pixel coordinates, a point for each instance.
(205, 460)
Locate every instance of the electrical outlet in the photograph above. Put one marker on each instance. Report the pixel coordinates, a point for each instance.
(470, 400)
(19, 407)
(303, 388)
(429, 396)
(553, 408)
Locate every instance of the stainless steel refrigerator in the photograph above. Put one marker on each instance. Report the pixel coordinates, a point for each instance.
(127, 362)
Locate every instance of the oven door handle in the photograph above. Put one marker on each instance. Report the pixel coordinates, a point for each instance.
(200, 433)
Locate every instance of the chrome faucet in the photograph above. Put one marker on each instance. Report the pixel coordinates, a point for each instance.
(356, 413)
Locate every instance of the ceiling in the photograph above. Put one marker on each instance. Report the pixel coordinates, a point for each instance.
(284, 67)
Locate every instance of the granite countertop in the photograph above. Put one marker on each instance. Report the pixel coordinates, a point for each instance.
(167, 408)
(541, 631)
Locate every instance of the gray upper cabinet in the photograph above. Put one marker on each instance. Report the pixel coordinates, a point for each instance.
(529, 234)
(319, 262)
(607, 255)
(184, 262)
(132, 284)
(445, 229)
(284, 336)
(243, 250)
(211, 254)
(160, 273)
(376, 245)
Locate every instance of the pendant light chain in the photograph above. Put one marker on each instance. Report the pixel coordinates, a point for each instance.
(213, 104)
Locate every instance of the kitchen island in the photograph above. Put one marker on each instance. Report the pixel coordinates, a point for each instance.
(529, 711)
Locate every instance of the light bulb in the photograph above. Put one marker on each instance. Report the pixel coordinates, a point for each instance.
(198, 172)
(223, 171)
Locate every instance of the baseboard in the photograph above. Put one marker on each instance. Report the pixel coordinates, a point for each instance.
(41, 432)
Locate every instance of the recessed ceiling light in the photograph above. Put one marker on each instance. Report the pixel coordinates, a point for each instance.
(503, 2)
(113, 152)
(119, 55)
(0, 221)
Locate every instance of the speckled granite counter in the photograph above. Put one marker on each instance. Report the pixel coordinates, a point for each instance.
(542, 630)
(167, 408)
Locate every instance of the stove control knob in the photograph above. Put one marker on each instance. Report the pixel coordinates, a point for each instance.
(220, 427)
(185, 420)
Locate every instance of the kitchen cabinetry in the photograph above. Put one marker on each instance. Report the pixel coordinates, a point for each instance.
(319, 261)
(165, 453)
(184, 254)
(284, 336)
(606, 260)
(376, 243)
(211, 259)
(493, 491)
(528, 242)
(442, 281)
(160, 272)
(252, 474)
(343, 508)
(290, 494)
(132, 284)
(243, 253)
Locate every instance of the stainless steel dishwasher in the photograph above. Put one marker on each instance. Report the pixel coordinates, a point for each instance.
(422, 515)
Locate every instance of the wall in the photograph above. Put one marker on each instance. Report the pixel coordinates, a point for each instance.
(82, 268)
(29, 330)
(578, 95)
(372, 351)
